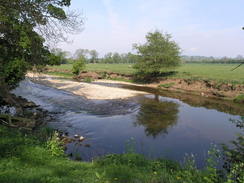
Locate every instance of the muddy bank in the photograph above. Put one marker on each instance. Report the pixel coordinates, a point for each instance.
(203, 87)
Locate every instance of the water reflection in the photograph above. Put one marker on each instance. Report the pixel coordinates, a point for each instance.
(157, 116)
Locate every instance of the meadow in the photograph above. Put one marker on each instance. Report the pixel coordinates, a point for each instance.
(218, 72)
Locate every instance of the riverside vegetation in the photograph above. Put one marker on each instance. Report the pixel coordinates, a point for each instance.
(38, 157)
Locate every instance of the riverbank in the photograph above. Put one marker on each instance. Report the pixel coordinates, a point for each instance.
(31, 158)
(203, 87)
(38, 157)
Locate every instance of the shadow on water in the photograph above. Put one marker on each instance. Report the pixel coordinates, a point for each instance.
(156, 116)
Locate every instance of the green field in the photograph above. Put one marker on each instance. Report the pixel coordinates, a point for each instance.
(219, 72)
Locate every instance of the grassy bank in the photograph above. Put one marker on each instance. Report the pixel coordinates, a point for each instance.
(31, 158)
(218, 72)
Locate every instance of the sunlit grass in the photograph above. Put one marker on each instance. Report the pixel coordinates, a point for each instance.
(219, 72)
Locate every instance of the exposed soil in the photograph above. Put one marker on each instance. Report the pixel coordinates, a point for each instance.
(203, 87)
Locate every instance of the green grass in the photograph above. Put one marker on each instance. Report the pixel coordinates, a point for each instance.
(62, 74)
(167, 85)
(117, 68)
(28, 158)
(239, 99)
(218, 72)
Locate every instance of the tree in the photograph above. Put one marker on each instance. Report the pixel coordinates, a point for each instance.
(58, 56)
(23, 26)
(157, 53)
(94, 56)
(108, 58)
(116, 58)
(81, 53)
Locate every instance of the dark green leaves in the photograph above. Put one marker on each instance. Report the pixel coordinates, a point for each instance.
(56, 12)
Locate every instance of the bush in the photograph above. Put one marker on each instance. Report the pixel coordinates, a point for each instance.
(79, 65)
(87, 79)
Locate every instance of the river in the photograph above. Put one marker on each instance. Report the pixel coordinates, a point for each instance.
(160, 124)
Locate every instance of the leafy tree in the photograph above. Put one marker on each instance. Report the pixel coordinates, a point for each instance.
(58, 56)
(79, 65)
(108, 58)
(81, 53)
(23, 26)
(116, 58)
(157, 53)
(94, 56)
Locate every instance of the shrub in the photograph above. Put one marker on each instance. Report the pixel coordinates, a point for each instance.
(79, 65)
(54, 146)
(87, 79)
(239, 99)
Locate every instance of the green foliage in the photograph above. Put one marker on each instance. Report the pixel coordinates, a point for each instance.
(94, 56)
(239, 99)
(87, 79)
(14, 72)
(234, 155)
(167, 85)
(54, 59)
(57, 57)
(79, 65)
(26, 158)
(55, 146)
(157, 53)
(21, 47)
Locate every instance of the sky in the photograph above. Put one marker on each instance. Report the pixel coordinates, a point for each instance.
(200, 27)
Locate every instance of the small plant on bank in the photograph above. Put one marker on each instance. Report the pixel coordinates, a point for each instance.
(166, 85)
(239, 99)
(87, 79)
(55, 146)
(79, 65)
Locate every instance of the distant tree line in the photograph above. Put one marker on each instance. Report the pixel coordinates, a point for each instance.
(92, 56)
(223, 60)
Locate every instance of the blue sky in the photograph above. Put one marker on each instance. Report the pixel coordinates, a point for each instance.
(200, 27)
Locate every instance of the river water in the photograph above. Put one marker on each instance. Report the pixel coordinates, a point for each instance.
(162, 124)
